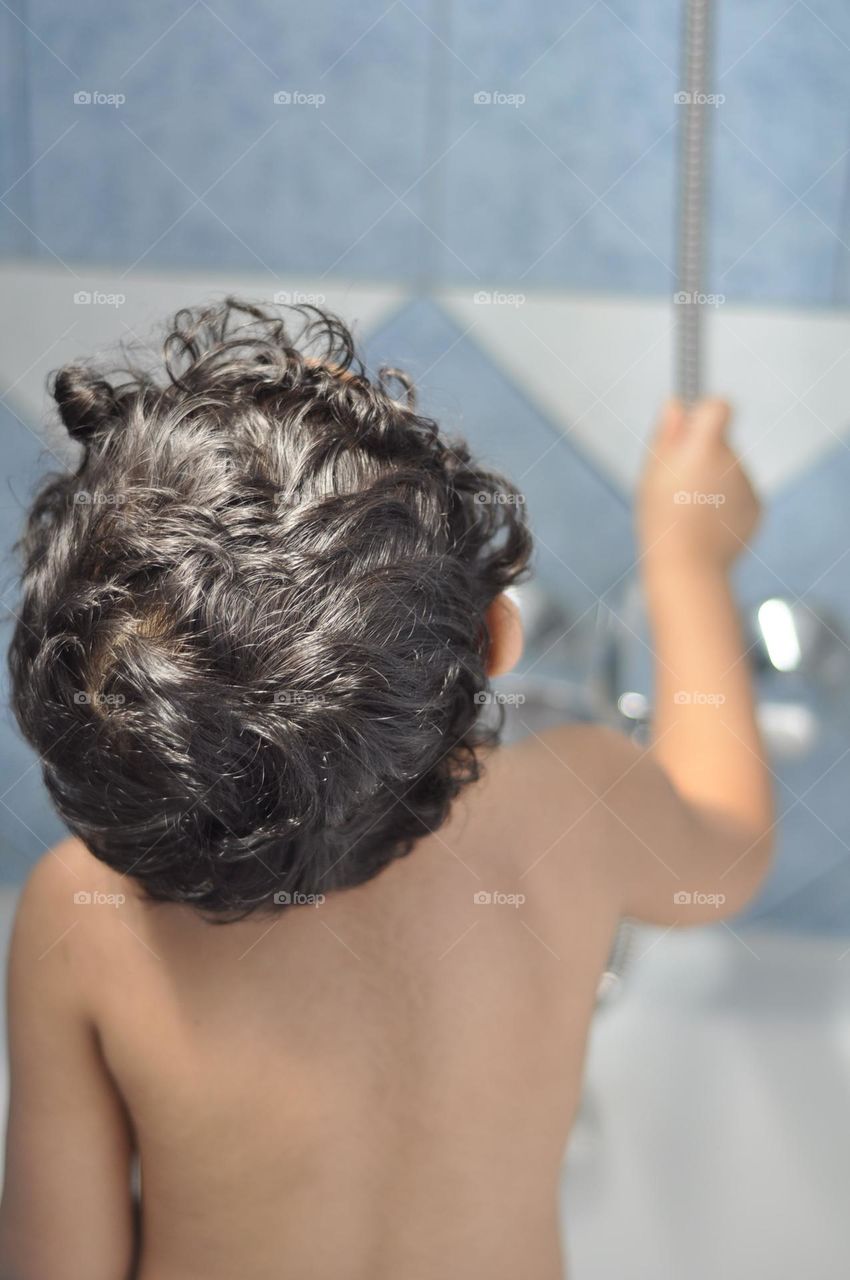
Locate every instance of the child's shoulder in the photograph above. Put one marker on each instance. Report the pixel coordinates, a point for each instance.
(69, 875)
(548, 785)
(59, 896)
(567, 756)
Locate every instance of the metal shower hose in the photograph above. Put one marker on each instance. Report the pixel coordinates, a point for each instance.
(695, 106)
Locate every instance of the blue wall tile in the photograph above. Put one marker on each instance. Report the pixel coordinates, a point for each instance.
(524, 182)
(15, 142)
(781, 134)
(803, 545)
(573, 186)
(315, 193)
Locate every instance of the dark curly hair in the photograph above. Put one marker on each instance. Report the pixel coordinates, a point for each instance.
(252, 631)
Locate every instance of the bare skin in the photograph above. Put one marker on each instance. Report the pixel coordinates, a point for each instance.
(381, 1086)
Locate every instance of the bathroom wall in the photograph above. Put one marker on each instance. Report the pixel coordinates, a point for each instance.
(400, 173)
(487, 189)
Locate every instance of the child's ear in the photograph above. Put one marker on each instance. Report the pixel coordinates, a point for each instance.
(505, 630)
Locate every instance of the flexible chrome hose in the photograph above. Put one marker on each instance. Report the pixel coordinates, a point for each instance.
(695, 103)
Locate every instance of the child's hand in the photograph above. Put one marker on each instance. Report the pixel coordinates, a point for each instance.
(695, 501)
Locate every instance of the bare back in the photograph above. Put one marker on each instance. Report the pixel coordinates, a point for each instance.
(380, 1086)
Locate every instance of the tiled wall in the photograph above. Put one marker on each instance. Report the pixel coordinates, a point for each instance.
(399, 173)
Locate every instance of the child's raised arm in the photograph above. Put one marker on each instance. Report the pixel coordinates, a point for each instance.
(696, 513)
(686, 826)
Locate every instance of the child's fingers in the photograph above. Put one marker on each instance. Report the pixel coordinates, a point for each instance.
(671, 422)
(708, 419)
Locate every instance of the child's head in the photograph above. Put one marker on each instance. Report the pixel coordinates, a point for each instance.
(253, 623)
